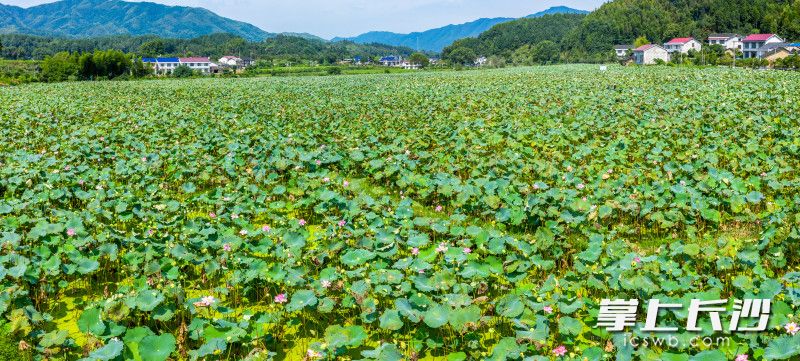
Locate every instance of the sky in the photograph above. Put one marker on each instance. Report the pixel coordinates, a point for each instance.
(329, 18)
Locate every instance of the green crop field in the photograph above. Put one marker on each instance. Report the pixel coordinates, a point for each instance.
(455, 215)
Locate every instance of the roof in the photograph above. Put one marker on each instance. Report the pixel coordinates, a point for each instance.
(622, 47)
(195, 60)
(680, 41)
(148, 60)
(647, 47)
(794, 45)
(772, 46)
(758, 37)
(787, 48)
(167, 60)
(227, 57)
(723, 36)
(390, 58)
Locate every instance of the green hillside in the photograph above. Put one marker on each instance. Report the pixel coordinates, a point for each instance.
(92, 18)
(591, 37)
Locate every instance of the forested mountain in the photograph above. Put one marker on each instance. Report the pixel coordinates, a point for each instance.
(92, 18)
(504, 39)
(591, 37)
(17, 46)
(622, 21)
(437, 39)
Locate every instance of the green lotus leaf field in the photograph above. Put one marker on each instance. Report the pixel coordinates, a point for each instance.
(455, 215)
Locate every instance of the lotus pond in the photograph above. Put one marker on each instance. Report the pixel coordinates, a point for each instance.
(450, 216)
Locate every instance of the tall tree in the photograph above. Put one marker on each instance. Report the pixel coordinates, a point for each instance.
(419, 59)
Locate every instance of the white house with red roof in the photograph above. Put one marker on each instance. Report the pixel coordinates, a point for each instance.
(682, 45)
(730, 41)
(199, 64)
(752, 43)
(648, 54)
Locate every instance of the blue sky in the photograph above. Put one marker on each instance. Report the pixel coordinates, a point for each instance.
(329, 18)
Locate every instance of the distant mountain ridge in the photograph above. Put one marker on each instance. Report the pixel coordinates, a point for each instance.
(92, 18)
(437, 39)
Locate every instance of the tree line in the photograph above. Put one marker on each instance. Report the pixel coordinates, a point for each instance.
(282, 47)
(100, 64)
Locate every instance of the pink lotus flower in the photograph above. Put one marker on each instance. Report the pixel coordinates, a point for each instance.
(548, 309)
(581, 186)
(342, 223)
(81, 182)
(792, 328)
(560, 351)
(441, 248)
(71, 232)
(325, 283)
(467, 250)
(763, 174)
(302, 222)
(206, 301)
(346, 184)
(326, 180)
(536, 186)
(144, 159)
(234, 216)
(226, 247)
(313, 355)
(243, 232)
(742, 357)
(67, 168)
(212, 215)
(281, 298)
(318, 162)
(439, 208)
(415, 251)
(637, 260)
(265, 229)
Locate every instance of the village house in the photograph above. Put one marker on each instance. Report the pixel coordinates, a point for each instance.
(230, 61)
(198, 64)
(772, 47)
(162, 66)
(410, 66)
(682, 46)
(752, 44)
(622, 51)
(777, 53)
(391, 60)
(729, 41)
(247, 62)
(481, 61)
(648, 54)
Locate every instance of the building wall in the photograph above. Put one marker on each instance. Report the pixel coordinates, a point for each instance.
(731, 43)
(652, 54)
(777, 55)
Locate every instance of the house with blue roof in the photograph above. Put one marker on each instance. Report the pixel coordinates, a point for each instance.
(162, 66)
(391, 60)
